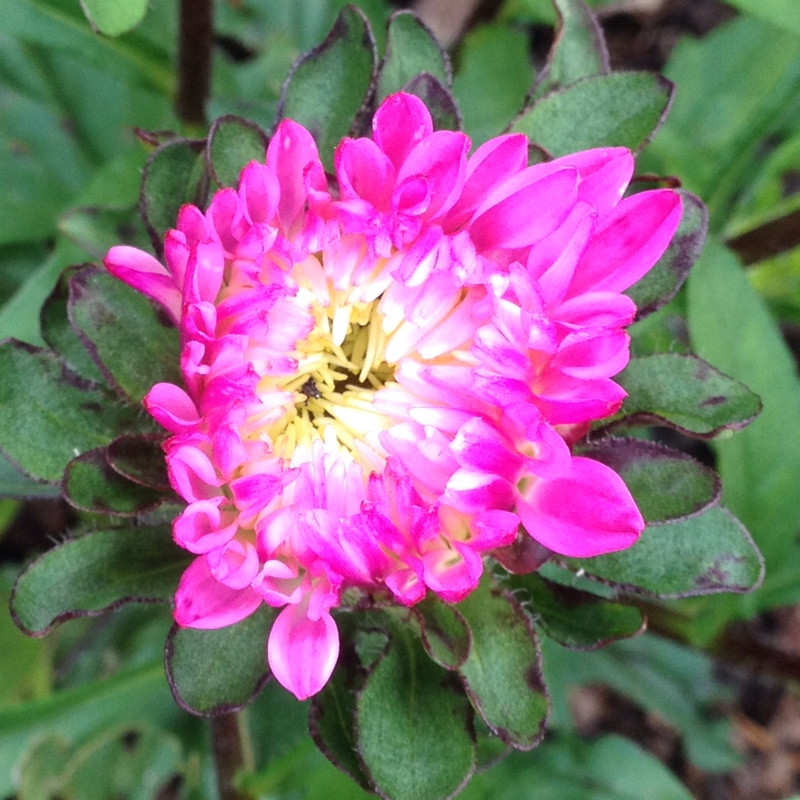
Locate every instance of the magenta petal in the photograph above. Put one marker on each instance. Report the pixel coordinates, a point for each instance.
(586, 512)
(145, 274)
(628, 242)
(529, 213)
(302, 652)
(172, 408)
(401, 121)
(203, 602)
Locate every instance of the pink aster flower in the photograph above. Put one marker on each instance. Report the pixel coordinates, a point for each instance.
(382, 379)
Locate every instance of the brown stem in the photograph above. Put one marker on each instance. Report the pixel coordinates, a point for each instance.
(229, 754)
(196, 32)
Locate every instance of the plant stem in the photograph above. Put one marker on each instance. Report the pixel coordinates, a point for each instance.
(196, 39)
(229, 754)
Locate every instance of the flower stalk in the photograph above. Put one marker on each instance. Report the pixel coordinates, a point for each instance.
(228, 746)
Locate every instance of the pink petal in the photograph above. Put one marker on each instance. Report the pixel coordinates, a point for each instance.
(260, 192)
(533, 210)
(364, 171)
(145, 274)
(302, 652)
(586, 512)
(202, 602)
(172, 408)
(399, 124)
(628, 242)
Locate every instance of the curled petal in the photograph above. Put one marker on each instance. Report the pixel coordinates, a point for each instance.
(586, 512)
(172, 408)
(302, 652)
(202, 602)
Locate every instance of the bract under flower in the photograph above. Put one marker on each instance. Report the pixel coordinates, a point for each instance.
(382, 380)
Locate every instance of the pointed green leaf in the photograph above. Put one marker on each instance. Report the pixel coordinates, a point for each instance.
(112, 17)
(411, 49)
(666, 484)
(705, 554)
(685, 393)
(14, 483)
(61, 337)
(91, 485)
(232, 143)
(445, 634)
(51, 414)
(576, 619)
(139, 459)
(623, 109)
(662, 282)
(412, 725)
(214, 672)
(133, 342)
(174, 174)
(760, 467)
(579, 50)
(503, 675)
(96, 573)
(328, 86)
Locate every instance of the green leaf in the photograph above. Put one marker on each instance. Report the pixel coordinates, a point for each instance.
(133, 342)
(232, 143)
(173, 175)
(445, 634)
(662, 282)
(59, 334)
(14, 483)
(571, 768)
(56, 415)
(623, 109)
(502, 674)
(218, 671)
(90, 484)
(95, 230)
(332, 722)
(412, 725)
(328, 86)
(760, 467)
(685, 393)
(705, 554)
(579, 50)
(139, 459)
(97, 573)
(493, 79)
(130, 696)
(574, 618)
(411, 49)
(112, 17)
(666, 484)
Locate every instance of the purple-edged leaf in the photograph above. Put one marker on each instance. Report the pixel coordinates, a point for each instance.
(411, 49)
(662, 282)
(331, 721)
(232, 143)
(574, 618)
(329, 85)
(412, 725)
(14, 483)
(666, 484)
(139, 459)
(705, 554)
(91, 485)
(50, 414)
(445, 635)
(174, 174)
(59, 334)
(623, 109)
(523, 555)
(579, 50)
(685, 393)
(133, 343)
(438, 99)
(96, 573)
(503, 675)
(214, 672)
